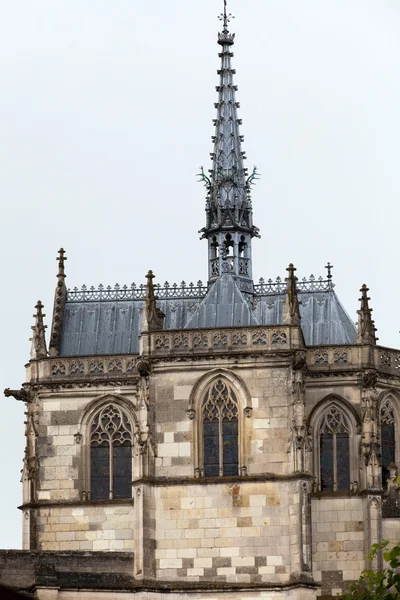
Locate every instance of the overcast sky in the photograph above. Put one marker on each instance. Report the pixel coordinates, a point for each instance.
(106, 114)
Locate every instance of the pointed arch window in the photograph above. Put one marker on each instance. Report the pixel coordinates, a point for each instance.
(110, 454)
(388, 444)
(220, 429)
(334, 451)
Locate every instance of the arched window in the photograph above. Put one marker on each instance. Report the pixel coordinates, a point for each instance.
(110, 454)
(220, 424)
(334, 451)
(387, 438)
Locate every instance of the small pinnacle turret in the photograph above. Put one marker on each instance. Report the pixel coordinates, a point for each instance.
(229, 217)
(153, 317)
(60, 297)
(38, 339)
(366, 326)
(291, 309)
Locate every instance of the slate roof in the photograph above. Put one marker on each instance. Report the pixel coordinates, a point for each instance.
(105, 321)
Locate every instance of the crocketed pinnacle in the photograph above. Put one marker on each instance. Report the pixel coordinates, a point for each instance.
(60, 298)
(228, 203)
(366, 326)
(38, 339)
(291, 309)
(153, 317)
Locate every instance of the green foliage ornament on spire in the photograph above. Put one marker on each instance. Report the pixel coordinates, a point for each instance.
(378, 585)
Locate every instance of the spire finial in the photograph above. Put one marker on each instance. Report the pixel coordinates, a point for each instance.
(366, 326)
(60, 299)
(226, 17)
(291, 310)
(153, 317)
(38, 348)
(61, 262)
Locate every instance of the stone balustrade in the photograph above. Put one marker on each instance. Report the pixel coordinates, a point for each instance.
(203, 341)
(91, 367)
(223, 341)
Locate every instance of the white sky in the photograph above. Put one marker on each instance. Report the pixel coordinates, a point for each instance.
(106, 114)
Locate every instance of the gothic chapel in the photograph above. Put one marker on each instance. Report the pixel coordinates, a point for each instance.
(232, 440)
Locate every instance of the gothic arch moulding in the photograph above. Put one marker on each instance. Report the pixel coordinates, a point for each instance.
(335, 425)
(390, 398)
(342, 403)
(201, 385)
(238, 409)
(97, 403)
(125, 414)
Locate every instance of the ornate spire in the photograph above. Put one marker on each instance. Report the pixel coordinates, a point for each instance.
(153, 317)
(291, 309)
(366, 326)
(38, 348)
(59, 304)
(229, 225)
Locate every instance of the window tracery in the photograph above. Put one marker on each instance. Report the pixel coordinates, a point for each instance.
(110, 454)
(334, 451)
(388, 444)
(220, 430)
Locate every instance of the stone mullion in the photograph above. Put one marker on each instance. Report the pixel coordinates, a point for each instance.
(221, 446)
(111, 490)
(334, 449)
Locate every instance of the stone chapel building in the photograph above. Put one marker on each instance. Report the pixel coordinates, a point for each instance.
(232, 440)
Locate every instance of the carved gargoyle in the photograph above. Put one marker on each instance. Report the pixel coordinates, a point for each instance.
(143, 367)
(300, 361)
(22, 395)
(369, 379)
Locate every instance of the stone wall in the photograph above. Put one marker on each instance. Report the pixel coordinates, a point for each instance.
(338, 541)
(93, 527)
(230, 533)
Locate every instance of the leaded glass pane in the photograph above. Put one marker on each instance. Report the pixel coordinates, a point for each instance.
(342, 462)
(111, 429)
(388, 449)
(211, 448)
(122, 471)
(230, 447)
(100, 472)
(326, 460)
(220, 430)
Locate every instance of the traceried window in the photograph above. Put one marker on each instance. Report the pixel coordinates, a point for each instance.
(334, 452)
(387, 439)
(110, 454)
(220, 422)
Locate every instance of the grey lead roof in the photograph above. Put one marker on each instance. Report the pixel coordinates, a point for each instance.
(108, 321)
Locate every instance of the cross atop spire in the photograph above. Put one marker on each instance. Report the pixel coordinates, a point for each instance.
(229, 226)
(225, 17)
(61, 262)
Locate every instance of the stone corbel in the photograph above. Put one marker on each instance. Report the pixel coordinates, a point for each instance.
(248, 411)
